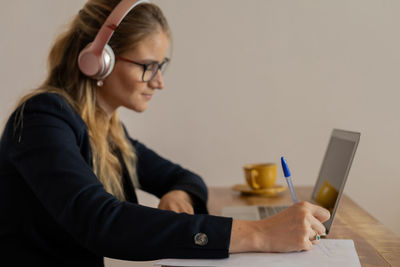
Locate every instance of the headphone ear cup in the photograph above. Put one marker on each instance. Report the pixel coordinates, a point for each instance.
(89, 63)
(94, 66)
(108, 62)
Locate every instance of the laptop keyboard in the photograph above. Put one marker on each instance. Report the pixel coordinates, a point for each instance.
(266, 211)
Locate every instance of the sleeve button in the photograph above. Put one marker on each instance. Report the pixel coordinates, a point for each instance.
(201, 239)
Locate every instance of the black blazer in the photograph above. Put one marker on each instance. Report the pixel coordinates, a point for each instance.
(55, 212)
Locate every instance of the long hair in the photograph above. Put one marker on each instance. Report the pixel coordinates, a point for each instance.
(107, 136)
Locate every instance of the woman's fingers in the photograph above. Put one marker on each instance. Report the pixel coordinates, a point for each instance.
(316, 225)
(178, 208)
(177, 201)
(320, 213)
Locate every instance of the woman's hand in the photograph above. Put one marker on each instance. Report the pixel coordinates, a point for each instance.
(178, 201)
(293, 229)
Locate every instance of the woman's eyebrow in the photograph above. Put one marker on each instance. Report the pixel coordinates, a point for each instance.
(149, 61)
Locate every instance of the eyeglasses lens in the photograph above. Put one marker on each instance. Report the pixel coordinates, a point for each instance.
(152, 70)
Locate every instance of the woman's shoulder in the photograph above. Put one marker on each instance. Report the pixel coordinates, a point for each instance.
(49, 105)
(47, 101)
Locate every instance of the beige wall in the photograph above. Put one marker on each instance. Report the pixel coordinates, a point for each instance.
(251, 81)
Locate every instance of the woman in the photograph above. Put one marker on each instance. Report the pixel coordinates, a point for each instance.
(68, 167)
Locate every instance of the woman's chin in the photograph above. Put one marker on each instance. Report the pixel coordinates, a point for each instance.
(137, 108)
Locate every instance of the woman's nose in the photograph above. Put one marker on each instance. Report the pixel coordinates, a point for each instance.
(157, 82)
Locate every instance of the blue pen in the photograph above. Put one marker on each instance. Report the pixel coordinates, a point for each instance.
(288, 179)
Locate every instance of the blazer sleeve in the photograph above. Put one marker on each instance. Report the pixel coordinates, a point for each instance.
(158, 176)
(47, 155)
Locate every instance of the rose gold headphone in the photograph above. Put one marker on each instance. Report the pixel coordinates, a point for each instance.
(97, 59)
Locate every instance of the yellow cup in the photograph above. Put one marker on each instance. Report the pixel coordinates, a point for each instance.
(327, 195)
(260, 176)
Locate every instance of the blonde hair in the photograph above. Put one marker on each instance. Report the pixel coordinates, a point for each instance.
(64, 78)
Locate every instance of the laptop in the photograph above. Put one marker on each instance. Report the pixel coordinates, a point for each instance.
(329, 186)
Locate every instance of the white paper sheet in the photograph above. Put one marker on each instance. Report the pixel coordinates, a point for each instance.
(329, 252)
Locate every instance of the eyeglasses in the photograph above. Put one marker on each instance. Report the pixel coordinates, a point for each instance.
(149, 70)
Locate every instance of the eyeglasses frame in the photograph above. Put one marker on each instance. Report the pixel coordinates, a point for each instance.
(145, 66)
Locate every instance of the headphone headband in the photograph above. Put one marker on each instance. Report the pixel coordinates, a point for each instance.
(112, 22)
(96, 61)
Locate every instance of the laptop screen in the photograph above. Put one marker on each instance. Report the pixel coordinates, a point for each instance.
(334, 170)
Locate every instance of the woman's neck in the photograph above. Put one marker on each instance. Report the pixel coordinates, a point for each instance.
(105, 106)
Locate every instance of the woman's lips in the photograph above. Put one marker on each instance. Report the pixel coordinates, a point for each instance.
(148, 96)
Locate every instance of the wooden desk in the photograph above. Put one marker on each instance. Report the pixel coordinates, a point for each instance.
(376, 245)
